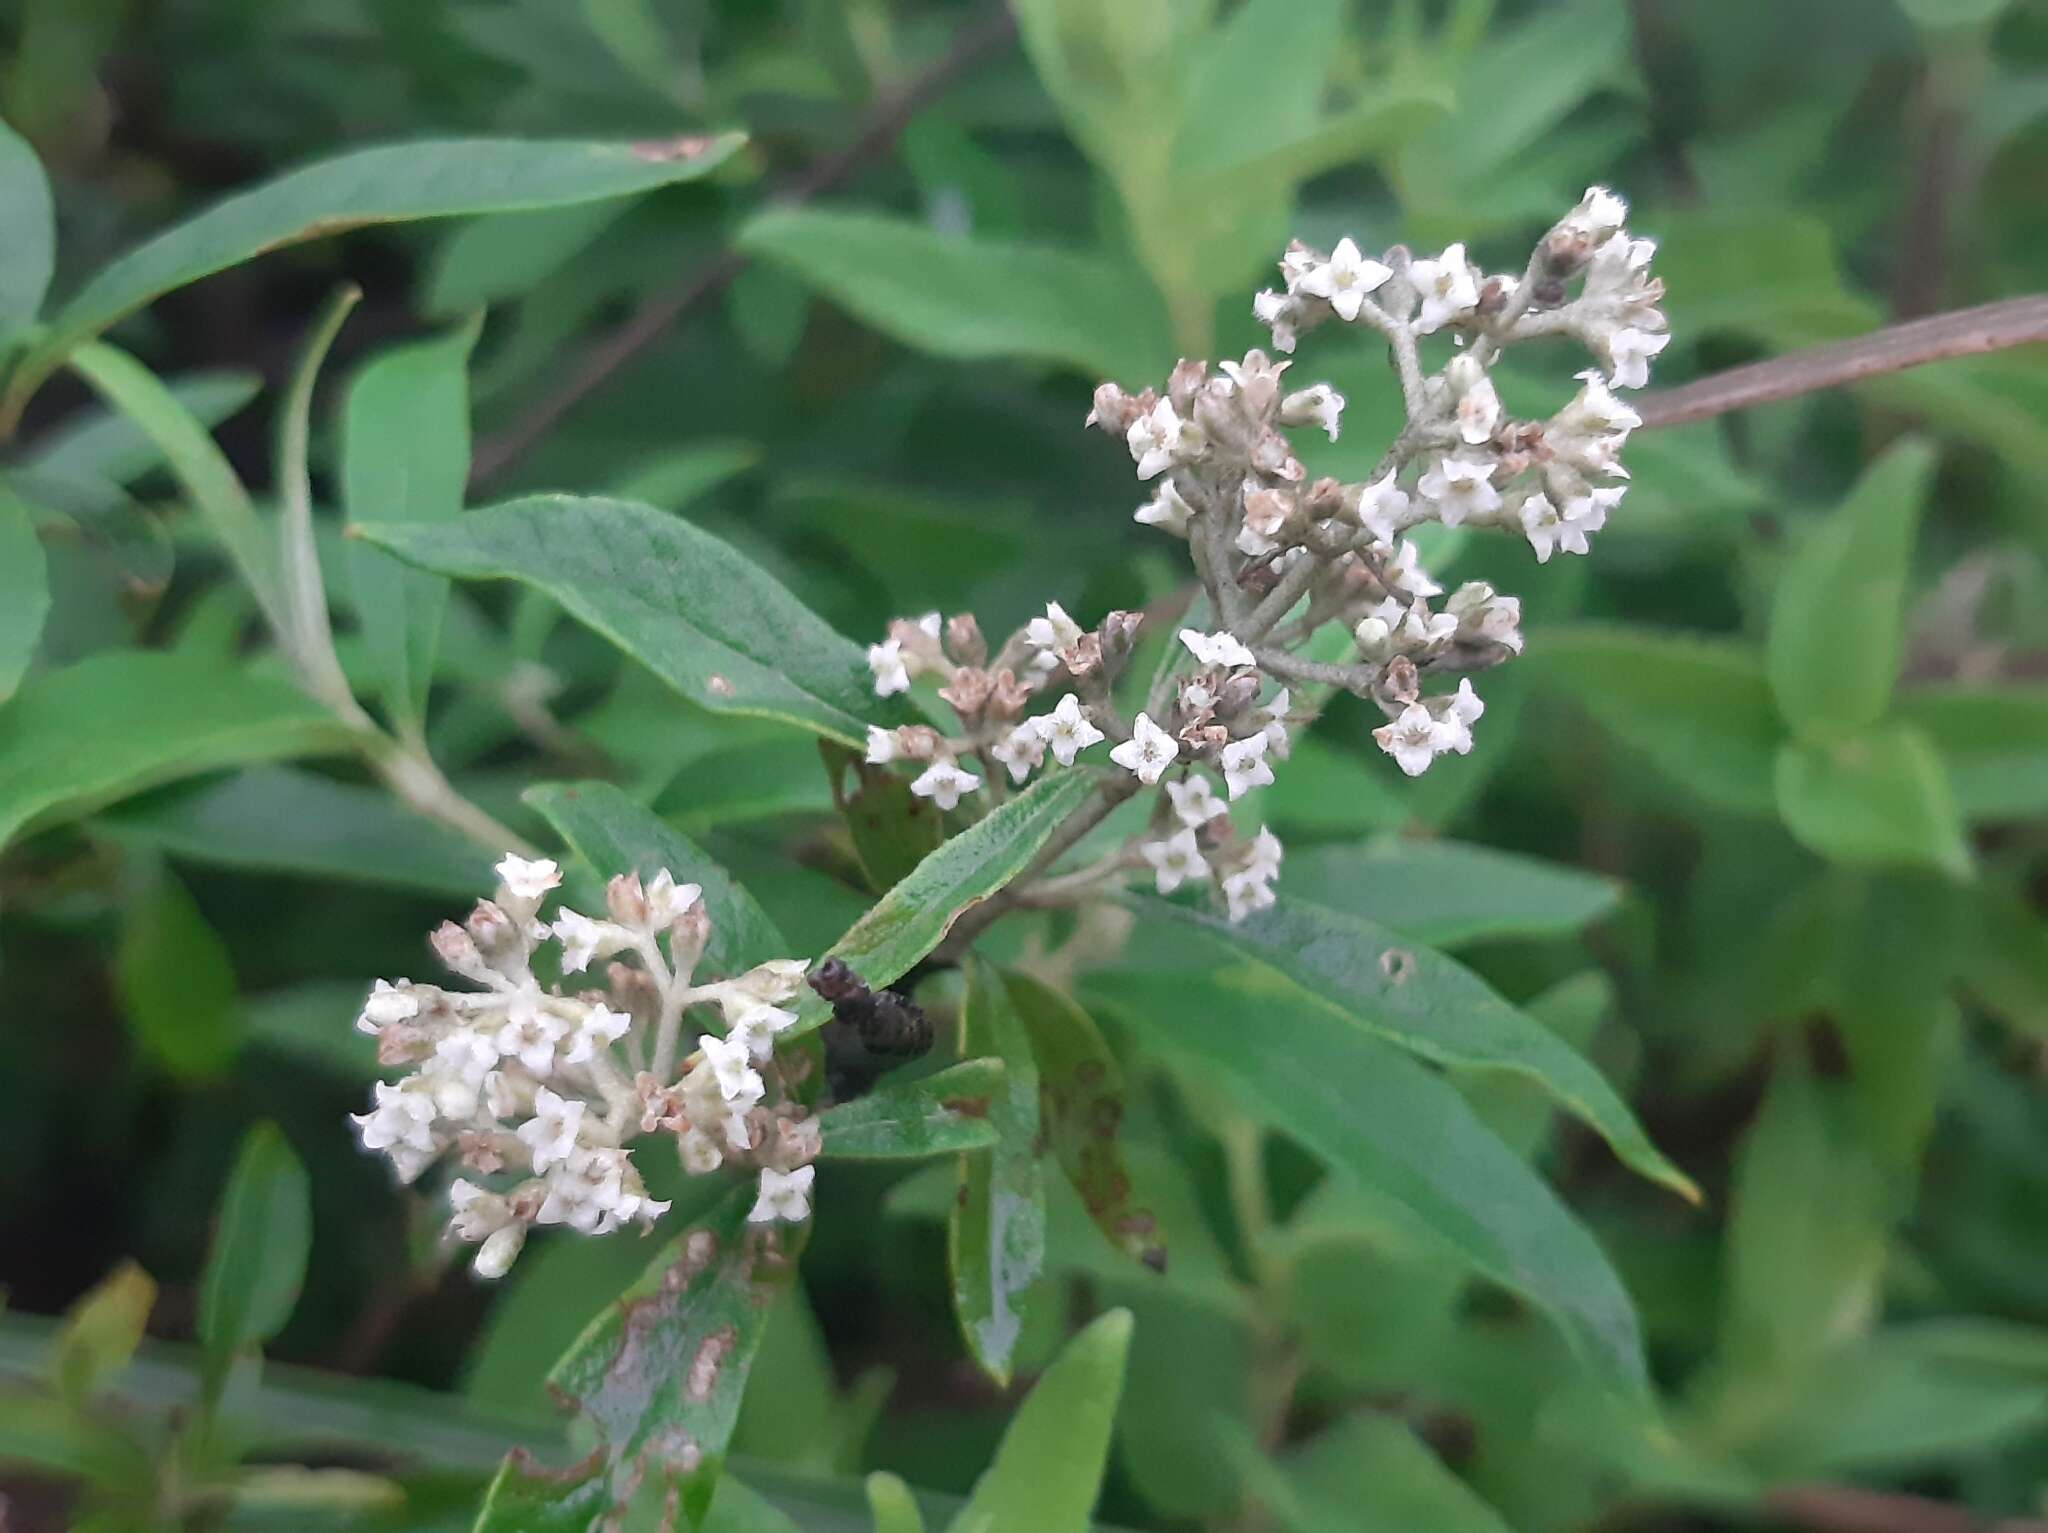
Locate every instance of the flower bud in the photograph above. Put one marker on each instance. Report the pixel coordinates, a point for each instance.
(1117, 636)
(967, 693)
(687, 936)
(625, 900)
(493, 931)
(964, 642)
(1240, 690)
(1187, 376)
(494, 1259)
(455, 948)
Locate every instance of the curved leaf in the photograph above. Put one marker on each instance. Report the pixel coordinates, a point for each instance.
(29, 218)
(259, 1251)
(24, 591)
(394, 183)
(1372, 1112)
(941, 1114)
(914, 917)
(700, 615)
(1992, 739)
(74, 739)
(1448, 892)
(1431, 1006)
(1877, 798)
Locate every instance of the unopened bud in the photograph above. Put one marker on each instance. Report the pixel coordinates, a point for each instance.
(917, 742)
(967, 693)
(1401, 681)
(625, 899)
(1186, 377)
(492, 930)
(495, 1257)
(1083, 657)
(455, 948)
(687, 935)
(964, 642)
(1240, 690)
(1118, 636)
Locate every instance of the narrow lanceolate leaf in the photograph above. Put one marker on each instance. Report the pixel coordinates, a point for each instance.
(1838, 614)
(100, 443)
(1370, 1111)
(199, 466)
(995, 1239)
(1048, 1469)
(941, 1114)
(1879, 798)
(260, 1243)
(659, 1375)
(176, 984)
(1700, 710)
(30, 253)
(405, 458)
(309, 637)
(1081, 1111)
(77, 738)
(1430, 1005)
(892, 1506)
(692, 609)
(101, 1332)
(914, 917)
(281, 819)
(1447, 892)
(932, 291)
(613, 834)
(24, 590)
(395, 183)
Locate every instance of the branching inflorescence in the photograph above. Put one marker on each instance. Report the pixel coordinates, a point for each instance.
(539, 1090)
(1280, 558)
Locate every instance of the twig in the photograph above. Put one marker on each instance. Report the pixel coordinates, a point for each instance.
(1849, 1509)
(605, 356)
(1963, 333)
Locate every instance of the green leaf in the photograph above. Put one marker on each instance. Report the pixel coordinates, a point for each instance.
(29, 218)
(895, 1509)
(1993, 741)
(700, 615)
(176, 984)
(1839, 610)
(394, 183)
(284, 820)
(1877, 799)
(1369, 1473)
(995, 1235)
(659, 1376)
(937, 292)
(74, 739)
(614, 835)
(1373, 1113)
(101, 1332)
(260, 1245)
(914, 917)
(1081, 1113)
(940, 1114)
(104, 444)
(405, 458)
(893, 829)
(1048, 1470)
(309, 640)
(1448, 892)
(200, 467)
(1701, 710)
(24, 591)
(2005, 958)
(1429, 1005)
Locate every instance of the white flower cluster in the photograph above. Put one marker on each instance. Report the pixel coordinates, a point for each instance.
(537, 1091)
(1280, 556)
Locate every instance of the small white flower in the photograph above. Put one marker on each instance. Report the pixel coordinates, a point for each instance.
(1264, 862)
(1460, 488)
(599, 1030)
(1599, 214)
(1483, 615)
(881, 745)
(1317, 405)
(1549, 529)
(1246, 892)
(1401, 570)
(1618, 265)
(785, 1195)
(583, 939)
(943, 782)
(1460, 712)
(528, 880)
(732, 1067)
(587, 1191)
(1478, 412)
(1066, 730)
(1176, 860)
(1161, 439)
(1195, 803)
(1344, 279)
(1021, 750)
(1244, 765)
(1374, 633)
(1149, 751)
(668, 900)
(550, 1134)
(1595, 409)
(929, 625)
(1446, 286)
(387, 1003)
(402, 1116)
(1167, 510)
(478, 1212)
(757, 1027)
(1277, 312)
(1053, 632)
(1628, 353)
(1414, 739)
(494, 1259)
(1216, 648)
(886, 661)
(456, 1076)
(1383, 508)
(1275, 715)
(530, 1033)
(1256, 378)
(699, 1152)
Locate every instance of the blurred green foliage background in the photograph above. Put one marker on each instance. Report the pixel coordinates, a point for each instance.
(1803, 935)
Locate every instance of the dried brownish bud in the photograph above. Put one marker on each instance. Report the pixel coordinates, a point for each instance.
(1118, 636)
(964, 641)
(967, 693)
(1186, 377)
(1083, 657)
(1007, 696)
(625, 899)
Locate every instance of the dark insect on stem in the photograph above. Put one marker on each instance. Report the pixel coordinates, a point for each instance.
(871, 1031)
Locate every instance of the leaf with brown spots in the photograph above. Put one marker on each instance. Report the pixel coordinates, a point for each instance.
(1081, 1111)
(659, 1375)
(942, 1114)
